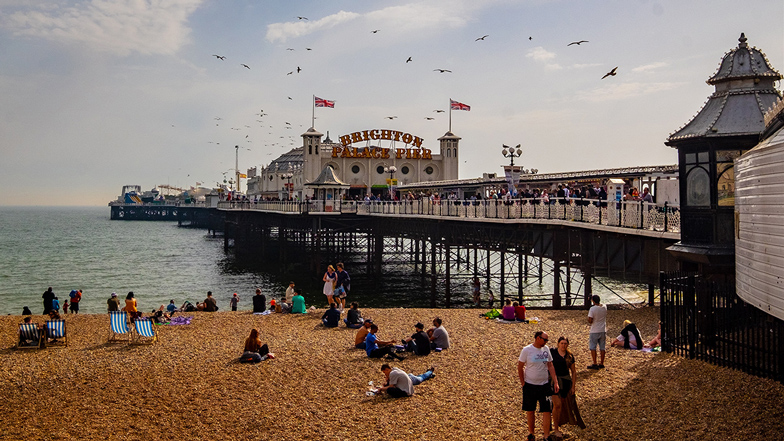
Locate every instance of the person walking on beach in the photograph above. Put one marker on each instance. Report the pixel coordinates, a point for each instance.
(330, 279)
(564, 403)
(343, 285)
(75, 299)
(48, 298)
(535, 369)
(259, 302)
(597, 318)
(113, 303)
(233, 302)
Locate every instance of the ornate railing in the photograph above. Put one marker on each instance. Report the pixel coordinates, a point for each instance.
(627, 214)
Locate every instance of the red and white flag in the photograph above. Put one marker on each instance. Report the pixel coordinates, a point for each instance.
(454, 105)
(321, 102)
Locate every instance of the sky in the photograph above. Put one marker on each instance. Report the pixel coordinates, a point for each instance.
(103, 93)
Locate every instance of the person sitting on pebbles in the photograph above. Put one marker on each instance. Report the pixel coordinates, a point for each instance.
(362, 333)
(255, 351)
(354, 318)
(656, 342)
(400, 384)
(629, 337)
(376, 348)
(419, 342)
(439, 338)
(331, 317)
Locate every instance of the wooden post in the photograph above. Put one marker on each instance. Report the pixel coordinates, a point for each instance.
(556, 284)
(651, 291)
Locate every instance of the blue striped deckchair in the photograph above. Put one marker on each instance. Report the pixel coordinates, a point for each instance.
(55, 333)
(118, 326)
(145, 331)
(29, 337)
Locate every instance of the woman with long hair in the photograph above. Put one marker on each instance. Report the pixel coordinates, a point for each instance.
(130, 306)
(566, 375)
(254, 350)
(330, 278)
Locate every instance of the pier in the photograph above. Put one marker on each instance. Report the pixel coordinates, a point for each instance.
(508, 245)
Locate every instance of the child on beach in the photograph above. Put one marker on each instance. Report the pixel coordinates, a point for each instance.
(65, 306)
(233, 302)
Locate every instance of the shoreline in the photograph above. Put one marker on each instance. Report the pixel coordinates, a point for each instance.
(315, 387)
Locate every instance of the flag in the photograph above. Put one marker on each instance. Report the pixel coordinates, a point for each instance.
(243, 176)
(321, 102)
(454, 105)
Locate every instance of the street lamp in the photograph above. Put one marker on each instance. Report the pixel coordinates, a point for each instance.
(391, 170)
(510, 152)
(287, 177)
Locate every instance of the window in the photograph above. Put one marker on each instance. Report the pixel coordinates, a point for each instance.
(380, 169)
(697, 179)
(429, 170)
(355, 169)
(405, 170)
(725, 177)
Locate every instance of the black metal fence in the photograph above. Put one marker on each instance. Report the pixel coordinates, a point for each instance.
(706, 320)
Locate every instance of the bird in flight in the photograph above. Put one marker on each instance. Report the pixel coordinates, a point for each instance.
(290, 73)
(298, 69)
(308, 49)
(482, 38)
(375, 31)
(429, 118)
(611, 73)
(439, 111)
(220, 57)
(244, 65)
(442, 70)
(288, 123)
(302, 18)
(409, 59)
(289, 49)
(390, 117)
(578, 42)
(290, 98)
(530, 38)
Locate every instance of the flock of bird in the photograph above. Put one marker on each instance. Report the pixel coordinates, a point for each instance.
(287, 125)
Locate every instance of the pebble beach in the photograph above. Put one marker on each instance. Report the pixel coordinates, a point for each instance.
(190, 386)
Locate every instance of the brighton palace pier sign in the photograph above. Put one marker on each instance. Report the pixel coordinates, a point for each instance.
(416, 152)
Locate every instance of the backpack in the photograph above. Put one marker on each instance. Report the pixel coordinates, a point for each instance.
(493, 313)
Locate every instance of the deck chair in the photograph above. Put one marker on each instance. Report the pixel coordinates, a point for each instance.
(29, 337)
(55, 333)
(118, 327)
(145, 331)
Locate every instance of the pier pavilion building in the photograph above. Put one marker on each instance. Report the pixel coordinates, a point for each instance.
(372, 161)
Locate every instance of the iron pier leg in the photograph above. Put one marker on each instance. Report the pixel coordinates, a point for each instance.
(556, 284)
(432, 274)
(447, 281)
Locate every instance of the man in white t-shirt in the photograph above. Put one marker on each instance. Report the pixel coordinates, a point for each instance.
(535, 369)
(597, 318)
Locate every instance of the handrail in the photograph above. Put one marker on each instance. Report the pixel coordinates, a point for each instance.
(637, 215)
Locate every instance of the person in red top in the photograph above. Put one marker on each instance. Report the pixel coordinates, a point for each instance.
(77, 297)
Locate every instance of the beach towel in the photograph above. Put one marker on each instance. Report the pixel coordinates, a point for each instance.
(267, 312)
(180, 320)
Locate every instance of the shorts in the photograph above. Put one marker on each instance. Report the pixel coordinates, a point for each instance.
(533, 393)
(75, 307)
(599, 338)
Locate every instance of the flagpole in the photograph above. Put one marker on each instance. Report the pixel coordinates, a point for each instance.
(313, 116)
(450, 115)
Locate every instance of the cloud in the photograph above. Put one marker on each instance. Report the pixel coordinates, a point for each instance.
(541, 55)
(652, 66)
(624, 91)
(402, 18)
(284, 31)
(114, 26)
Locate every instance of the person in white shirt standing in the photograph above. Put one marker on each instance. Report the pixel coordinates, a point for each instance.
(597, 318)
(535, 369)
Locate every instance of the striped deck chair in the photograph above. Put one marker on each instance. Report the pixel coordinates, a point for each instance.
(145, 331)
(29, 336)
(55, 333)
(118, 326)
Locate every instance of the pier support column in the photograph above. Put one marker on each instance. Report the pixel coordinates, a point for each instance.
(503, 277)
(588, 276)
(447, 281)
(378, 252)
(432, 274)
(556, 284)
(520, 257)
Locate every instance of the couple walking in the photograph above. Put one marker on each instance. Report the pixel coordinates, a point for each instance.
(336, 285)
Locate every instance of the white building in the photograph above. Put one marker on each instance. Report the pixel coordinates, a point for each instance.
(369, 161)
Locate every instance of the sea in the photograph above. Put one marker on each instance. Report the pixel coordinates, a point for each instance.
(70, 248)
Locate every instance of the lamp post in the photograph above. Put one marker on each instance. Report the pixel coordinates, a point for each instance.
(391, 170)
(287, 177)
(511, 153)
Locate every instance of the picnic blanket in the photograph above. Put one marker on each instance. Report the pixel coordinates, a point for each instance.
(180, 320)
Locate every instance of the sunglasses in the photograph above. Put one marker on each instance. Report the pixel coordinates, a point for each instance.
(544, 339)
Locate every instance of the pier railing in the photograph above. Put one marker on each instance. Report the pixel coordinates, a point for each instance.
(627, 214)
